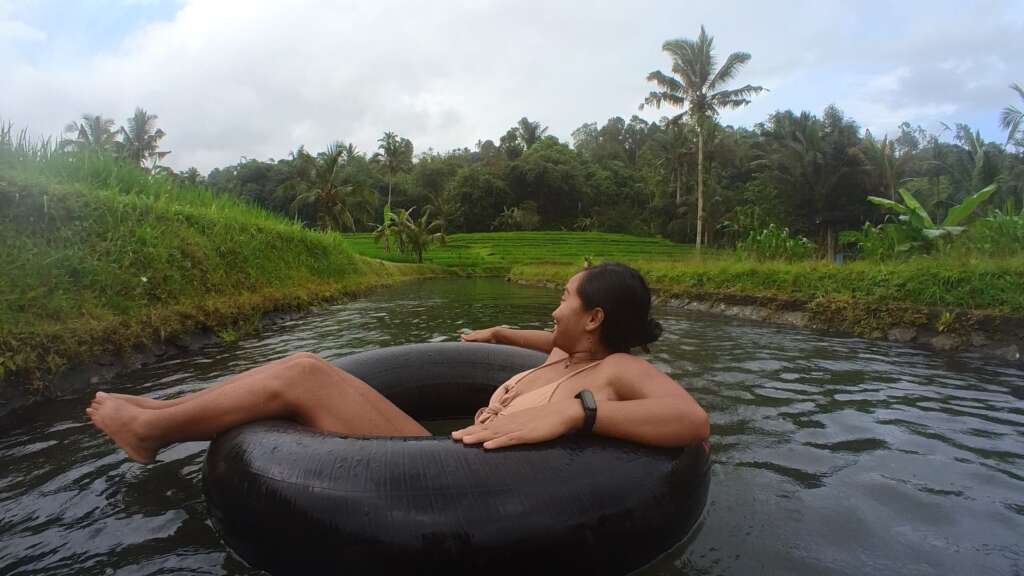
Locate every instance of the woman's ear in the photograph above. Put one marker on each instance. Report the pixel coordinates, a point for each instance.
(595, 318)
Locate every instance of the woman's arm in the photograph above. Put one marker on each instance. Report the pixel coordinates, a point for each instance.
(536, 339)
(651, 408)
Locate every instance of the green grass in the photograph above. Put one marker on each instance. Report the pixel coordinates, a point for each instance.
(897, 290)
(103, 258)
(983, 285)
(500, 252)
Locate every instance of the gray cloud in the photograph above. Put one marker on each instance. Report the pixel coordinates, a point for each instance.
(232, 79)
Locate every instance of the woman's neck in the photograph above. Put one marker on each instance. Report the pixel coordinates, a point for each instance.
(585, 357)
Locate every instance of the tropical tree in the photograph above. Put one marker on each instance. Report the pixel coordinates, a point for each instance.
(317, 181)
(673, 146)
(888, 167)
(419, 234)
(446, 205)
(93, 132)
(511, 145)
(529, 133)
(395, 156)
(1011, 117)
(698, 86)
(389, 230)
(140, 140)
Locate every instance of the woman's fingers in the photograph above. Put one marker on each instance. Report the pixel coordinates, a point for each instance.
(509, 439)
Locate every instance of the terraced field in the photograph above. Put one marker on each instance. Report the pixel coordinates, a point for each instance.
(498, 252)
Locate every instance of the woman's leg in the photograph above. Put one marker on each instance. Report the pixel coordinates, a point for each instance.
(308, 390)
(154, 404)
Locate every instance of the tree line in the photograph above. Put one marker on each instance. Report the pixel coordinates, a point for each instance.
(686, 176)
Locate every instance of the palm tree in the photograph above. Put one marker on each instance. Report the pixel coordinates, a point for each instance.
(317, 181)
(418, 234)
(94, 132)
(447, 207)
(529, 133)
(698, 87)
(395, 155)
(674, 146)
(140, 141)
(888, 167)
(1011, 118)
(389, 229)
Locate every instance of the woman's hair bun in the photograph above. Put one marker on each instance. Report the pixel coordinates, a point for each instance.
(652, 333)
(653, 330)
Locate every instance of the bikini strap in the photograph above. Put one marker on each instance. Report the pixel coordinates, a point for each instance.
(530, 371)
(570, 375)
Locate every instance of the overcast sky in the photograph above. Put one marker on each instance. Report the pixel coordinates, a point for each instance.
(257, 79)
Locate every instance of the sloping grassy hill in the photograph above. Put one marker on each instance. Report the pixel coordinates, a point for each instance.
(118, 258)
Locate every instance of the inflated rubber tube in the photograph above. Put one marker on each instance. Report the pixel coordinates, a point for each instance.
(292, 500)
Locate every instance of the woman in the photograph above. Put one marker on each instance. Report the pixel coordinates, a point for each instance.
(603, 314)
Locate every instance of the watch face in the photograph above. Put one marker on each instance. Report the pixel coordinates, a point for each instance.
(588, 400)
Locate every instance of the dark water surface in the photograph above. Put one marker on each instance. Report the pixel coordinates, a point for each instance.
(832, 455)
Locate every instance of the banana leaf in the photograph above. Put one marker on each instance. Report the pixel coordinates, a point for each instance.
(922, 219)
(956, 214)
(886, 203)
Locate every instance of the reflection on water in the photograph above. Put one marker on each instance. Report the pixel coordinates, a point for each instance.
(832, 455)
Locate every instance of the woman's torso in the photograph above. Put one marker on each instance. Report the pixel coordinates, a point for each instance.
(537, 386)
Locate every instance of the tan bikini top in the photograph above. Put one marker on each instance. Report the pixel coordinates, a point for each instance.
(505, 399)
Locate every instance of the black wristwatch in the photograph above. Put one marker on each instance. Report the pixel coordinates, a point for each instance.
(589, 410)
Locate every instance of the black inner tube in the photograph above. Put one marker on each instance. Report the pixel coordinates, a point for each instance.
(292, 500)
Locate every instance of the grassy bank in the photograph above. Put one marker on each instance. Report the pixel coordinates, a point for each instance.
(858, 297)
(864, 298)
(932, 281)
(116, 259)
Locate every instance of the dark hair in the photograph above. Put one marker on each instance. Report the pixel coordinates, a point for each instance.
(623, 294)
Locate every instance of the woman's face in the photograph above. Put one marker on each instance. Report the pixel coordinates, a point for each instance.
(573, 323)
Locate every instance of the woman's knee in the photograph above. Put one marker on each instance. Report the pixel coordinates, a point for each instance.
(304, 357)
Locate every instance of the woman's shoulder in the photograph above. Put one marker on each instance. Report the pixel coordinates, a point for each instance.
(625, 361)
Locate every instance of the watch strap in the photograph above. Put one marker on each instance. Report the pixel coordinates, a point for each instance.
(589, 410)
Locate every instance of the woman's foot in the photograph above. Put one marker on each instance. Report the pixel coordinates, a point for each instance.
(120, 420)
(142, 401)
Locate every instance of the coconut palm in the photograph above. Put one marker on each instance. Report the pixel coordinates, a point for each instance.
(395, 156)
(529, 133)
(889, 169)
(140, 140)
(1011, 118)
(318, 181)
(93, 132)
(698, 87)
(674, 146)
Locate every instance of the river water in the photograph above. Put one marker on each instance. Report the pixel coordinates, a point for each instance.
(833, 455)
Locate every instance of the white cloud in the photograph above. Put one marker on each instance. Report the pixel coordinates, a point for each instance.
(17, 31)
(231, 79)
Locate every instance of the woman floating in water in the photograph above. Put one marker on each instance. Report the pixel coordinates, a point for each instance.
(604, 313)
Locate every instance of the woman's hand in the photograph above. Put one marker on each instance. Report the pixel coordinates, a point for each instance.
(527, 426)
(489, 335)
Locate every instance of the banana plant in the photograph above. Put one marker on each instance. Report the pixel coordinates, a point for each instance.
(911, 212)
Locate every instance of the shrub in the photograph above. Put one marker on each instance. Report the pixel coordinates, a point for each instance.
(775, 243)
